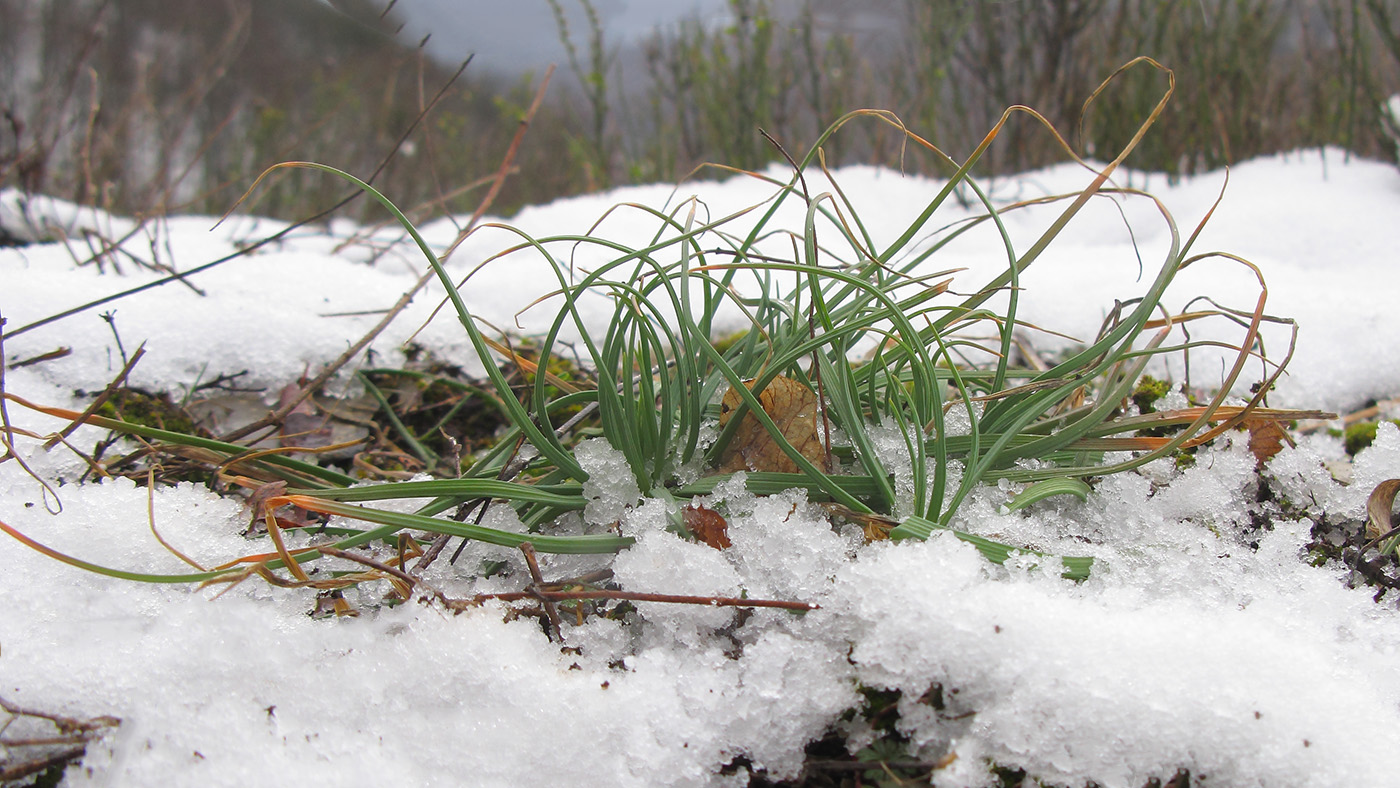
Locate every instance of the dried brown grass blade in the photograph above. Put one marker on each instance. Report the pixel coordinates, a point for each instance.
(1378, 508)
(151, 520)
(530, 367)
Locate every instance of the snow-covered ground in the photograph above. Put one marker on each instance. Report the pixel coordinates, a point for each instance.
(1187, 648)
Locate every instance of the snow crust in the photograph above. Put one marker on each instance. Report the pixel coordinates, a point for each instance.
(1196, 643)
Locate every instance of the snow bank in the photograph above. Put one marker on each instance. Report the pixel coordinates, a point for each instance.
(1199, 642)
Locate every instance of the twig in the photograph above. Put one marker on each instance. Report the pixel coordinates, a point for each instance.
(537, 591)
(60, 352)
(64, 724)
(7, 435)
(630, 596)
(110, 318)
(409, 580)
(72, 731)
(42, 741)
(100, 400)
(15, 771)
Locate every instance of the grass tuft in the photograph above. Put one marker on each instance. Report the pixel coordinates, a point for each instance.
(881, 341)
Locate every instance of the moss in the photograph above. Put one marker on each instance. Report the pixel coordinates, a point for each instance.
(1147, 392)
(1361, 435)
(158, 411)
(724, 343)
(1185, 459)
(148, 410)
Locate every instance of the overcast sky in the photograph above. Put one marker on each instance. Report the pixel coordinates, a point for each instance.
(518, 35)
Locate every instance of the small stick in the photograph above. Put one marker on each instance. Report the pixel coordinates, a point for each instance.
(49, 356)
(536, 590)
(101, 398)
(630, 596)
(64, 724)
(44, 741)
(14, 771)
(335, 552)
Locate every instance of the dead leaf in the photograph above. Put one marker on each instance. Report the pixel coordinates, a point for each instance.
(1378, 508)
(708, 525)
(1266, 438)
(333, 603)
(793, 408)
(303, 426)
(877, 527)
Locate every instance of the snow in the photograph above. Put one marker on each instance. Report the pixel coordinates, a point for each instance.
(1188, 647)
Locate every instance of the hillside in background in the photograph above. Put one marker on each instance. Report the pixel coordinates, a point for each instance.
(146, 106)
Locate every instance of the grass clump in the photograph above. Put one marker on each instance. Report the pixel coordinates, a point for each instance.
(867, 328)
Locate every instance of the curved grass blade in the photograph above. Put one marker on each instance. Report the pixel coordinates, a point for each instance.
(1076, 567)
(580, 544)
(289, 469)
(1047, 489)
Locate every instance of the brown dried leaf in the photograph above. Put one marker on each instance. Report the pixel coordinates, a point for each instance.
(333, 603)
(708, 525)
(793, 408)
(1266, 438)
(1378, 508)
(877, 527)
(303, 426)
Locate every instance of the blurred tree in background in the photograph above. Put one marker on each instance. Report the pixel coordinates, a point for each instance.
(147, 106)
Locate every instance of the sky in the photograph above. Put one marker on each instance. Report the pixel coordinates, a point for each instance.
(1198, 641)
(513, 36)
(521, 35)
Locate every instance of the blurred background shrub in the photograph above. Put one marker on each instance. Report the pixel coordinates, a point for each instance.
(150, 106)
